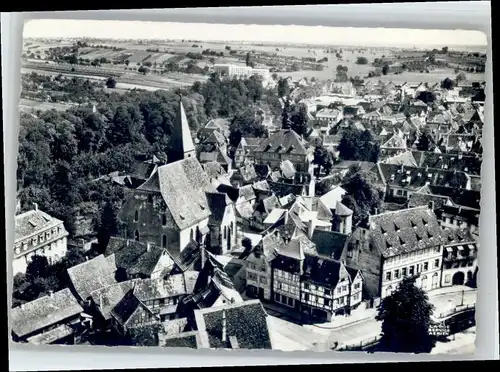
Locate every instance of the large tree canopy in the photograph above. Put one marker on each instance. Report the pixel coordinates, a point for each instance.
(358, 145)
(406, 317)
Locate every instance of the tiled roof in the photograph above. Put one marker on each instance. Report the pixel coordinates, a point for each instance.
(215, 138)
(406, 158)
(415, 178)
(342, 210)
(251, 141)
(270, 245)
(127, 306)
(418, 199)
(330, 244)
(332, 197)
(32, 222)
(322, 271)
(282, 189)
(247, 173)
(287, 264)
(142, 170)
(247, 193)
(395, 142)
(261, 185)
(92, 275)
(188, 258)
(269, 203)
(146, 263)
(466, 163)
(288, 169)
(213, 169)
(454, 236)
(217, 203)
(183, 340)
(283, 141)
(44, 312)
(182, 185)
(406, 230)
(245, 321)
(467, 198)
(145, 334)
(152, 289)
(107, 298)
(51, 336)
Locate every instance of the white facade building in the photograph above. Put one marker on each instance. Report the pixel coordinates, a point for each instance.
(37, 233)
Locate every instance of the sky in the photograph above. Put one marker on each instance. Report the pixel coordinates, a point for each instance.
(59, 28)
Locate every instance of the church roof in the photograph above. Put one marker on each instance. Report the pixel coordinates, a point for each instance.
(180, 138)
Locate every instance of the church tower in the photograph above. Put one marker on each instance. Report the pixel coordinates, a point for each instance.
(181, 144)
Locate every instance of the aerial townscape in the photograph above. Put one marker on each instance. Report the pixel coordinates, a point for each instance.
(236, 195)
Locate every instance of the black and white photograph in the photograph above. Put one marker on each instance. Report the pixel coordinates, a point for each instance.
(221, 186)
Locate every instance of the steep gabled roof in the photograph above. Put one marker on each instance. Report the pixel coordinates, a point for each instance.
(283, 141)
(404, 231)
(91, 275)
(183, 185)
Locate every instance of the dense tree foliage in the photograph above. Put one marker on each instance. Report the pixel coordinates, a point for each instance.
(447, 84)
(41, 278)
(246, 124)
(385, 69)
(341, 74)
(324, 159)
(362, 61)
(426, 97)
(358, 145)
(406, 317)
(363, 196)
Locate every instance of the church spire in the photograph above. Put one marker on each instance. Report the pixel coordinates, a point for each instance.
(181, 142)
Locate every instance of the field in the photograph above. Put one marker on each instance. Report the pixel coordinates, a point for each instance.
(28, 105)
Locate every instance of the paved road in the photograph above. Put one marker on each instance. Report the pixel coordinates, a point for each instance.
(448, 301)
(294, 336)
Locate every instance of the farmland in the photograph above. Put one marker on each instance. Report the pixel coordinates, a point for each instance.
(28, 105)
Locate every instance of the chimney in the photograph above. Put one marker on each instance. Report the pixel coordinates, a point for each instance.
(310, 228)
(148, 246)
(51, 293)
(375, 211)
(128, 242)
(36, 206)
(286, 216)
(431, 204)
(86, 258)
(22, 306)
(224, 328)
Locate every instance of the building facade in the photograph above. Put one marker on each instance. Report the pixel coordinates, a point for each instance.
(38, 233)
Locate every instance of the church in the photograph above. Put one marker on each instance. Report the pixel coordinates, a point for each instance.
(171, 209)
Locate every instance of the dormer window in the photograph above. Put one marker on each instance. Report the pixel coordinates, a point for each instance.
(136, 216)
(164, 219)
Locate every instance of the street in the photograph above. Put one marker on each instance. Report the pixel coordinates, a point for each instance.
(362, 328)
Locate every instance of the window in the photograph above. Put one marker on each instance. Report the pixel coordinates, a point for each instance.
(412, 270)
(357, 285)
(136, 216)
(150, 198)
(263, 280)
(426, 266)
(437, 249)
(277, 297)
(306, 297)
(328, 292)
(436, 263)
(403, 271)
(388, 275)
(341, 300)
(164, 219)
(164, 241)
(396, 274)
(339, 290)
(447, 278)
(344, 288)
(306, 285)
(328, 302)
(290, 301)
(136, 235)
(161, 301)
(225, 232)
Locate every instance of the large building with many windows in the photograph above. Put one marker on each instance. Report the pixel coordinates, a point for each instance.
(393, 245)
(38, 233)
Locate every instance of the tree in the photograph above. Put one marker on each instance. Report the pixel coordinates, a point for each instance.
(364, 197)
(406, 317)
(245, 124)
(444, 50)
(286, 115)
(38, 267)
(362, 61)
(385, 69)
(447, 84)
(323, 158)
(248, 60)
(299, 120)
(426, 97)
(424, 142)
(111, 83)
(108, 225)
(358, 145)
(283, 88)
(341, 74)
(461, 77)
